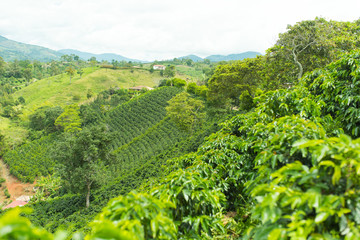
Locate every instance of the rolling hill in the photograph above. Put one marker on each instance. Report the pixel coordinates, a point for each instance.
(240, 56)
(57, 90)
(218, 58)
(192, 57)
(11, 50)
(100, 57)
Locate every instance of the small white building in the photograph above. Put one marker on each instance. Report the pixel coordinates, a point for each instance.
(139, 88)
(159, 67)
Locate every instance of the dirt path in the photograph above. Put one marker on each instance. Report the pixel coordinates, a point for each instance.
(15, 187)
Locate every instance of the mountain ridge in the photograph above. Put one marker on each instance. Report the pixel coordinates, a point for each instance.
(11, 50)
(218, 57)
(100, 57)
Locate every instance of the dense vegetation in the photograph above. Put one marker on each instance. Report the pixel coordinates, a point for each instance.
(284, 165)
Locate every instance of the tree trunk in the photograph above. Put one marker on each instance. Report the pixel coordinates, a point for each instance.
(88, 195)
(301, 70)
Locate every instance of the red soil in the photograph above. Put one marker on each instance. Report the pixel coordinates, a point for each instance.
(15, 187)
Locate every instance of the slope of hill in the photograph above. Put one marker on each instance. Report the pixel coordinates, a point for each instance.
(58, 90)
(192, 57)
(240, 56)
(218, 58)
(128, 121)
(100, 57)
(11, 50)
(141, 125)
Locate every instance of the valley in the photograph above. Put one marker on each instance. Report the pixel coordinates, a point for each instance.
(266, 147)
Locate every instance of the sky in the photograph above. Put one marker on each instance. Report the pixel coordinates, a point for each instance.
(162, 29)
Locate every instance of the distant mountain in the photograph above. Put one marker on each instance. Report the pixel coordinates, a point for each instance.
(240, 56)
(192, 57)
(100, 57)
(218, 58)
(11, 50)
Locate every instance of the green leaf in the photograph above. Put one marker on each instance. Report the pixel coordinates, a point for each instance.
(337, 175)
(321, 217)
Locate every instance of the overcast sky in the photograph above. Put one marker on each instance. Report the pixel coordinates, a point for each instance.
(162, 29)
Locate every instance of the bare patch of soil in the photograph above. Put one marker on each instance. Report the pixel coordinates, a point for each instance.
(15, 187)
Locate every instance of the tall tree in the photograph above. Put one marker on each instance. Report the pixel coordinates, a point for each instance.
(230, 80)
(185, 111)
(70, 72)
(80, 72)
(169, 71)
(2, 66)
(308, 45)
(83, 159)
(70, 119)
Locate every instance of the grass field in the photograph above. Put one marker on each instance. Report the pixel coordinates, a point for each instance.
(195, 74)
(14, 134)
(58, 91)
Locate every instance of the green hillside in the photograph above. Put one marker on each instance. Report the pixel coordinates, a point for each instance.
(100, 57)
(143, 139)
(11, 50)
(58, 91)
(129, 121)
(232, 57)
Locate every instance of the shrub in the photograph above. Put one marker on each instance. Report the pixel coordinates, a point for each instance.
(76, 97)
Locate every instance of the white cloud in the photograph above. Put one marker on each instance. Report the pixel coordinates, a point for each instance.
(161, 29)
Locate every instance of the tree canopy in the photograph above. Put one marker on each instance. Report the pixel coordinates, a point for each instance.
(83, 158)
(185, 111)
(69, 120)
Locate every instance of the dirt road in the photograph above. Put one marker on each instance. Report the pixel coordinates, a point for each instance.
(15, 187)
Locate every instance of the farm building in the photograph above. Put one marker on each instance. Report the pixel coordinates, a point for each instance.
(139, 88)
(15, 203)
(159, 67)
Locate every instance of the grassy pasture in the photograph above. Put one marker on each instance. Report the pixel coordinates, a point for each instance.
(58, 91)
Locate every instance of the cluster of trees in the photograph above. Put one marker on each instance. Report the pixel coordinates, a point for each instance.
(305, 46)
(19, 72)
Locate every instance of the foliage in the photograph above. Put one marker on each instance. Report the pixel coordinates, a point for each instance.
(169, 71)
(90, 93)
(46, 187)
(141, 159)
(13, 226)
(176, 82)
(200, 91)
(6, 193)
(135, 216)
(281, 167)
(69, 120)
(337, 85)
(83, 158)
(185, 111)
(44, 118)
(230, 80)
(320, 200)
(308, 45)
(197, 202)
(70, 71)
(31, 160)
(156, 140)
(138, 115)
